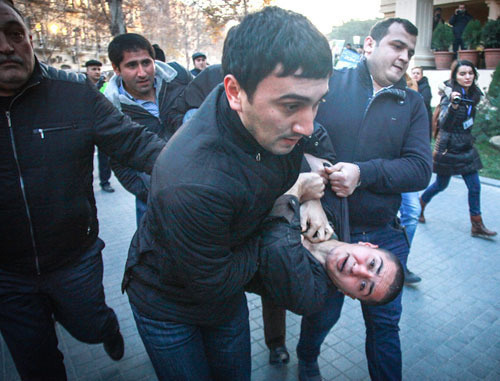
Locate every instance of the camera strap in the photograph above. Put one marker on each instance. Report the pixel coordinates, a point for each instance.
(469, 121)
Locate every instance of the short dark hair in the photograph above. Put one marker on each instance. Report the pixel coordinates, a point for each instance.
(381, 28)
(93, 63)
(159, 53)
(273, 36)
(396, 286)
(128, 42)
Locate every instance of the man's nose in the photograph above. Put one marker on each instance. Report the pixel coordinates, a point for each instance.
(361, 271)
(305, 123)
(5, 45)
(141, 72)
(405, 55)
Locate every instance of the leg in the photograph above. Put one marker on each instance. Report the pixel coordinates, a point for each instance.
(437, 186)
(274, 319)
(315, 327)
(383, 348)
(77, 294)
(27, 327)
(228, 347)
(104, 171)
(176, 350)
(410, 210)
(474, 188)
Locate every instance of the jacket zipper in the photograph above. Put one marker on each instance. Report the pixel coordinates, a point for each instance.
(23, 191)
(43, 131)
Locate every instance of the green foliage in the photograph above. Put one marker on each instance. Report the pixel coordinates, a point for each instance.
(442, 37)
(494, 88)
(472, 34)
(487, 120)
(491, 34)
(490, 158)
(352, 28)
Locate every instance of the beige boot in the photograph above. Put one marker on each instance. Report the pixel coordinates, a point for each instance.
(478, 229)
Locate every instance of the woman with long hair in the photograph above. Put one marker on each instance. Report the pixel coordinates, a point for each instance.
(454, 151)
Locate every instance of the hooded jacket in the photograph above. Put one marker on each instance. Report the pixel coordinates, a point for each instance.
(47, 206)
(386, 134)
(169, 85)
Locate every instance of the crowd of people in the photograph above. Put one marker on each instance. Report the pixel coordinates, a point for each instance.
(246, 180)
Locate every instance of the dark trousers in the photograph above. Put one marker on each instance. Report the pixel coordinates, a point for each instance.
(383, 348)
(29, 306)
(104, 168)
(458, 43)
(274, 319)
(187, 352)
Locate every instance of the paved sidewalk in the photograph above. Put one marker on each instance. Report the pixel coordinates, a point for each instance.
(450, 329)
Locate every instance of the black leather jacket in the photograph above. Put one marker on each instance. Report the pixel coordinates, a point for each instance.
(47, 137)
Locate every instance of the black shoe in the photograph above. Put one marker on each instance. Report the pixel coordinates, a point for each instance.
(114, 346)
(107, 188)
(279, 355)
(411, 278)
(309, 371)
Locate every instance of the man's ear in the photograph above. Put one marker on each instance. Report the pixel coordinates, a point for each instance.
(116, 69)
(369, 45)
(368, 244)
(234, 92)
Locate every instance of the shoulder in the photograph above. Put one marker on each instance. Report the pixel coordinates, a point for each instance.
(52, 73)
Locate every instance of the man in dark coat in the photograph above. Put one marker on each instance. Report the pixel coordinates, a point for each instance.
(459, 20)
(417, 73)
(148, 92)
(217, 180)
(379, 131)
(199, 62)
(50, 262)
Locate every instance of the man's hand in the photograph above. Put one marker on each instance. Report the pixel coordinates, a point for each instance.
(315, 226)
(309, 186)
(344, 178)
(318, 165)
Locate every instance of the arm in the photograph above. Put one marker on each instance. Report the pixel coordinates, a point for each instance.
(288, 274)
(123, 140)
(135, 182)
(192, 225)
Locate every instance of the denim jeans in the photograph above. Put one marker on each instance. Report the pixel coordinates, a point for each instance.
(199, 353)
(140, 209)
(73, 295)
(383, 349)
(472, 183)
(409, 212)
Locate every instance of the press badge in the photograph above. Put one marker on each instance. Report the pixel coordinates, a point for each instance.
(468, 123)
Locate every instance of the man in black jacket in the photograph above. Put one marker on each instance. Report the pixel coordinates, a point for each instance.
(147, 91)
(379, 131)
(50, 262)
(211, 189)
(459, 20)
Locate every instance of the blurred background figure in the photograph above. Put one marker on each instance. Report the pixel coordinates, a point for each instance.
(199, 62)
(454, 151)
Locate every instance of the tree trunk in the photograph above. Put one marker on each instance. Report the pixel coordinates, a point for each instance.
(117, 25)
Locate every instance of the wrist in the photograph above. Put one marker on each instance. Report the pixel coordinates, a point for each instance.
(359, 175)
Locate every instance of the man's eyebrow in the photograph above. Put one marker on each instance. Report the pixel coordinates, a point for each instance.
(378, 273)
(299, 97)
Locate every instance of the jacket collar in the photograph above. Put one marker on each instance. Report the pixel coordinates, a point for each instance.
(398, 89)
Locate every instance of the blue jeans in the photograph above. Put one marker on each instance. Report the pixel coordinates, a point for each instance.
(199, 353)
(472, 183)
(383, 349)
(73, 295)
(409, 212)
(140, 209)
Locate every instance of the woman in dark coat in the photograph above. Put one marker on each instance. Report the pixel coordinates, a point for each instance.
(454, 152)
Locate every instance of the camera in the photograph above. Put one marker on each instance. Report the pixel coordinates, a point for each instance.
(458, 99)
